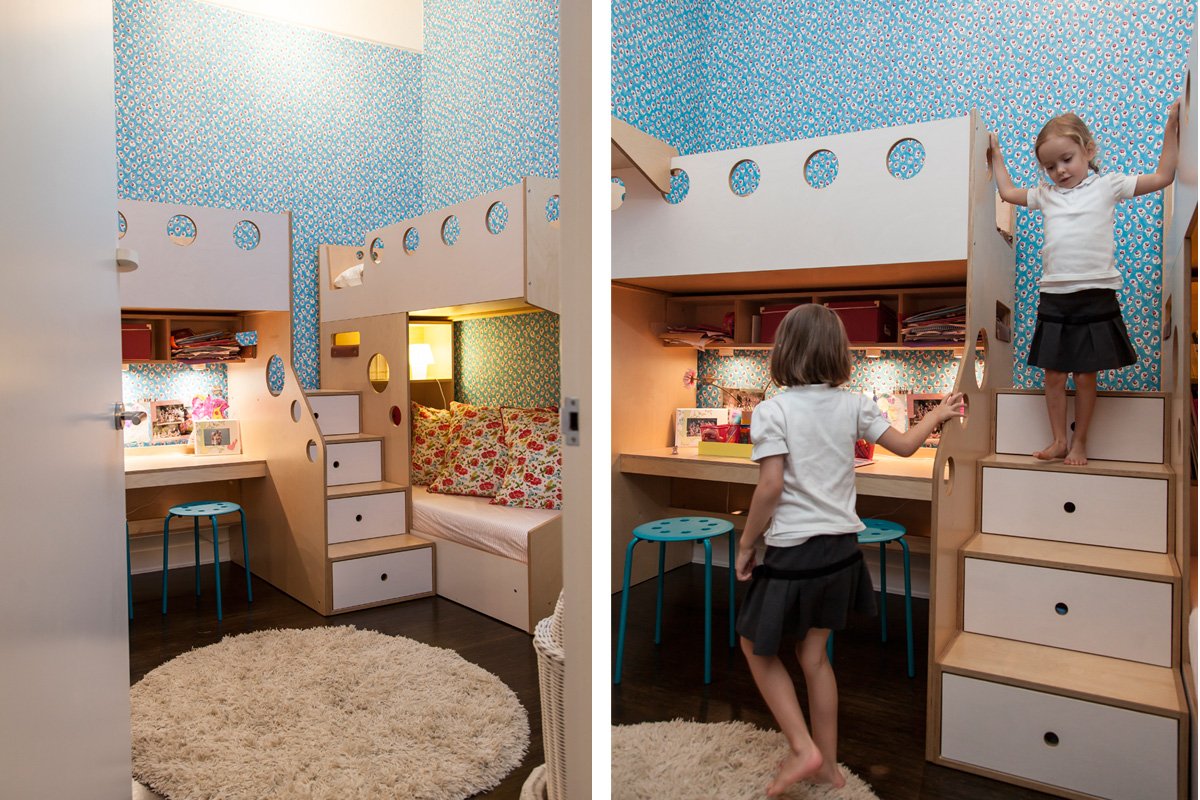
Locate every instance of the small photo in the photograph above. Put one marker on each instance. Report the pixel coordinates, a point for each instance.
(170, 422)
(218, 437)
(690, 421)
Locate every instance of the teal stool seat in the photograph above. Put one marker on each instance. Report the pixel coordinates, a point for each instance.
(211, 509)
(679, 529)
(880, 532)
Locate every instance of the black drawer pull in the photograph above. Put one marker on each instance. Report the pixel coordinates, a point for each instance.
(383, 577)
(337, 464)
(1061, 609)
(1051, 738)
(316, 415)
(1069, 507)
(358, 517)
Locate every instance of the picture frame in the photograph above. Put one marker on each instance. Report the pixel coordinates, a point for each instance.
(170, 422)
(918, 406)
(215, 437)
(689, 420)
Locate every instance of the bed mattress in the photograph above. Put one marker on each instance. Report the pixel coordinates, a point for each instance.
(475, 522)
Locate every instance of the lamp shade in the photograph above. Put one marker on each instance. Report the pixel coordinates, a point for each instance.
(420, 356)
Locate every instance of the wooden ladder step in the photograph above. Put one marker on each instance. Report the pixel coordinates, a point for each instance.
(359, 489)
(344, 438)
(376, 546)
(1134, 564)
(1095, 466)
(330, 392)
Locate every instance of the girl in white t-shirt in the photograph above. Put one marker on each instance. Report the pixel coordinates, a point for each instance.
(812, 575)
(1079, 326)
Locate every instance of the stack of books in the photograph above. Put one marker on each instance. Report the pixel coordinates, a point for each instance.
(938, 327)
(209, 347)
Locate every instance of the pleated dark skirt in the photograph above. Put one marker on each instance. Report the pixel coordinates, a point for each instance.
(779, 608)
(1080, 332)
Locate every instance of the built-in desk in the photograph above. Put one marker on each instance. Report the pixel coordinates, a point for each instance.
(175, 468)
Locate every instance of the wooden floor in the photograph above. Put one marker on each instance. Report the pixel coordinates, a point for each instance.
(190, 622)
(882, 711)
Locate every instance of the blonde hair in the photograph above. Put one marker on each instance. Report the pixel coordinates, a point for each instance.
(810, 347)
(1072, 127)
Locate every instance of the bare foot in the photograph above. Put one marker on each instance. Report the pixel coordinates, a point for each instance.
(1052, 452)
(831, 774)
(1078, 455)
(795, 767)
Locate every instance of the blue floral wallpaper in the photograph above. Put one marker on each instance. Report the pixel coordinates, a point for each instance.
(507, 361)
(734, 73)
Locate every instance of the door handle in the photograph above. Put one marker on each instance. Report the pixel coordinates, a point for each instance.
(121, 416)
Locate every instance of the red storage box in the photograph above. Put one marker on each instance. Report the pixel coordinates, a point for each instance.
(866, 321)
(769, 319)
(136, 341)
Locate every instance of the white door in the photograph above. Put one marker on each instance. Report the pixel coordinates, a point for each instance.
(64, 651)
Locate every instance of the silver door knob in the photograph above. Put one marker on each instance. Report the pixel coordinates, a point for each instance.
(121, 416)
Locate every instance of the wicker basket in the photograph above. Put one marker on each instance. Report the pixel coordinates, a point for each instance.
(551, 660)
(534, 787)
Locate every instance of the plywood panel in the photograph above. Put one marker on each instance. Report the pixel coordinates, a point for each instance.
(651, 157)
(543, 246)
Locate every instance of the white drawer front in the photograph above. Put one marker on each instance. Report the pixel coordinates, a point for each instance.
(353, 462)
(1101, 614)
(1122, 429)
(373, 579)
(1103, 510)
(336, 414)
(366, 516)
(1086, 747)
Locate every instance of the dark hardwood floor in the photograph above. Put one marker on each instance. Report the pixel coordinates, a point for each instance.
(882, 711)
(190, 622)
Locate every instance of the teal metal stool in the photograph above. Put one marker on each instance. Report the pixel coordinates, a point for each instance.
(679, 529)
(212, 510)
(880, 532)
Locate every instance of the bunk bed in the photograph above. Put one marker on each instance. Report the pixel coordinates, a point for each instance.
(491, 255)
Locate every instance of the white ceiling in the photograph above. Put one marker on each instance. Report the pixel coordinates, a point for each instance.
(396, 23)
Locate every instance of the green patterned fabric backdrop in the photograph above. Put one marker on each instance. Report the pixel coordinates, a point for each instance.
(507, 361)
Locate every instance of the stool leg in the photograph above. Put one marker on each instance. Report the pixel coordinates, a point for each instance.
(732, 578)
(216, 565)
(246, 557)
(166, 534)
(883, 591)
(624, 609)
(662, 561)
(708, 610)
(196, 538)
(829, 647)
(128, 571)
(908, 609)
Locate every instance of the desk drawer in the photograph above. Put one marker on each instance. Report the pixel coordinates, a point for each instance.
(336, 414)
(1103, 510)
(353, 462)
(367, 516)
(1101, 614)
(1060, 741)
(377, 579)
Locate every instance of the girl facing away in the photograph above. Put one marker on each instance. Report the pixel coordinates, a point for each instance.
(1079, 327)
(812, 575)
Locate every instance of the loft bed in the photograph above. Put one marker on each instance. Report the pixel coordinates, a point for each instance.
(491, 255)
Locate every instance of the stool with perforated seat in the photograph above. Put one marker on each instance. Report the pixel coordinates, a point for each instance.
(211, 509)
(880, 532)
(679, 529)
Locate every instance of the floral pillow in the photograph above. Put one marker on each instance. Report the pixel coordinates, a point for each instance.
(430, 433)
(475, 454)
(534, 475)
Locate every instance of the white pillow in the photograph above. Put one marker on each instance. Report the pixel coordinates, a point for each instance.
(349, 277)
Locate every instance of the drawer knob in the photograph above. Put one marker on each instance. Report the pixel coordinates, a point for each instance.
(1061, 609)
(1069, 507)
(383, 577)
(1050, 738)
(316, 415)
(358, 517)
(337, 464)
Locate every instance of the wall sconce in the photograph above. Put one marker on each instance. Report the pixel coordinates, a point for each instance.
(420, 357)
(874, 352)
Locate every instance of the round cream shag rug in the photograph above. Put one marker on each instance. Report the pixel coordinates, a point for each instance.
(331, 712)
(729, 760)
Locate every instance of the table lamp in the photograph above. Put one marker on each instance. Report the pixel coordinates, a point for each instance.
(420, 356)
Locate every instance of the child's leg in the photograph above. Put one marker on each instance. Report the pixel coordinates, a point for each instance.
(775, 685)
(1085, 403)
(1056, 408)
(822, 702)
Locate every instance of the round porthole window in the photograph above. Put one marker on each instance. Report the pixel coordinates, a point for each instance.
(905, 159)
(821, 169)
(275, 375)
(744, 177)
(412, 240)
(246, 235)
(497, 218)
(122, 225)
(376, 250)
(181, 230)
(450, 230)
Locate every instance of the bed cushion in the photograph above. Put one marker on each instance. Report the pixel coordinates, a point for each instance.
(475, 454)
(430, 434)
(474, 522)
(533, 478)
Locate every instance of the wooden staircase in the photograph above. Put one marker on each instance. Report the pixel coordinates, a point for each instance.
(1058, 663)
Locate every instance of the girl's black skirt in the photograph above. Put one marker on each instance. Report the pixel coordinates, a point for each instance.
(1080, 332)
(785, 607)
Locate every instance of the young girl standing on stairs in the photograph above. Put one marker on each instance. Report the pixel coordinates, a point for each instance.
(812, 575)
(1079, 326)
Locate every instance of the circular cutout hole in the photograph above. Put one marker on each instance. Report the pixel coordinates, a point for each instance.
(376, 250)
(744, 177)
(412, 240)
(337, 464)
(358, 517)
(821, 169)
(981, 348)
(358, 255)
(246, 235)
(181, 230)
(122, 225)
(497, 218)
(383, 577)
(1051, 738)
(618, 192)
(311, 451)
(948, 476)
(296, 411)
(275, 375)
(1069, 507)
(966, 407)
(905, 159)
(680, 185)
(397, 415)
(450, 230)
(1061, 609)
(552, 211)
(378, 372)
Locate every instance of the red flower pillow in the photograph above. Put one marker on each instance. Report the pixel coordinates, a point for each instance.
(534, 475)
(475, 454)
(430, 433)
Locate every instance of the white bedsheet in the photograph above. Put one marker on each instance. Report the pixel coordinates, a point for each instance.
(475, 522)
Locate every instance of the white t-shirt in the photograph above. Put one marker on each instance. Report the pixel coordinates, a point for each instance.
(816, 427)
(1078, 232)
